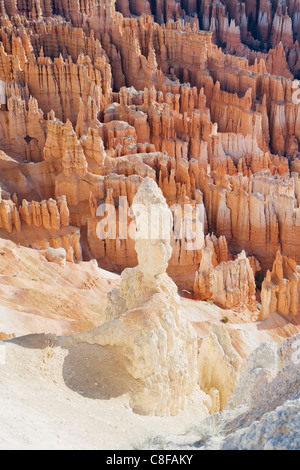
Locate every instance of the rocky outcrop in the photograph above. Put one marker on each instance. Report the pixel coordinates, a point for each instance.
(219, 367)
(56, 255)
(50, 214)
(109, 106)
(22, 127)
(280, 288)
(266, 399)
(253, 216)
(262, 413)
(230, 284)
(142, 320)
(202, 101)
(40, 225)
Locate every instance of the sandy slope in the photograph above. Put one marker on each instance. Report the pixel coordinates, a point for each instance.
(41, 297)
(48, 401)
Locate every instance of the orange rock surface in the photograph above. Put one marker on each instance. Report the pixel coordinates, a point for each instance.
(199, 96)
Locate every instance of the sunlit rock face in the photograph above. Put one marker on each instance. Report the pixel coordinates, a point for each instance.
(142, 320)
(201, 98)
(183, 118)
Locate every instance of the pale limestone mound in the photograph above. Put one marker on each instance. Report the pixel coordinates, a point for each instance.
(157, 346)
(219, 366)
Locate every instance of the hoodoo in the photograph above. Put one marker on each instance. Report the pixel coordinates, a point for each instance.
(149, 222)
(142, 319)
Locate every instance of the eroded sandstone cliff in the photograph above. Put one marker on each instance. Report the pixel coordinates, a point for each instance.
(198, 96)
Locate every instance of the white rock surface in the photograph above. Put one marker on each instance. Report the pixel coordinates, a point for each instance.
(219, 366)
(155, 344)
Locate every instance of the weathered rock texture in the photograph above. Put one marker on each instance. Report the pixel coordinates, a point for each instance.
(200, 97)
(219, 367)
(280, 288)
(263, 412)
(158, 347)
(230, 284)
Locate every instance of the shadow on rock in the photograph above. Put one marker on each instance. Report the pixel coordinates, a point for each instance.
(97, 372)
(34, 341)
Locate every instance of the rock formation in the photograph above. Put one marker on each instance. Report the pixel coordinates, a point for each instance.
(108, 106)
(280, 288)
(199, 97)
(230, 284)
(219, 367)
(268, 390)
(142, 321)
(263, 412)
